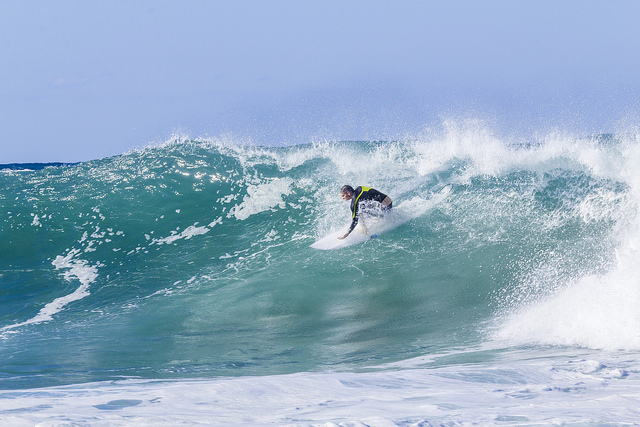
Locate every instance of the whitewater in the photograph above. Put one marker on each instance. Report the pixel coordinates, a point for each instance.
(176, 285)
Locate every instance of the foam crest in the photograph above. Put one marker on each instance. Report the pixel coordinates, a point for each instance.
(484, 152)
(596, 310)
(468, 140)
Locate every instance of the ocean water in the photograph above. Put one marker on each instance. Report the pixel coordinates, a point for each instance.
(175, 285)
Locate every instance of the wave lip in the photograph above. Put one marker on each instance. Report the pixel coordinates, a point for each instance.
(597, 310)
(201, 250)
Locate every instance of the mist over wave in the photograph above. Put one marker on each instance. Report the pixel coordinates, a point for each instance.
(594, 307)
(192, 258)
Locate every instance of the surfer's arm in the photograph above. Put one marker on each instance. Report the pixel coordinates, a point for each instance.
(353, 225)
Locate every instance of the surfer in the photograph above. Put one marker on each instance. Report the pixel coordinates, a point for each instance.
(363, 197)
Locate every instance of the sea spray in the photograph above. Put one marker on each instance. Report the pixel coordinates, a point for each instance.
(200, 261)
(594, 307)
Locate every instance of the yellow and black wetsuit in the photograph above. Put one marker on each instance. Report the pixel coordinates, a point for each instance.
(363, 194)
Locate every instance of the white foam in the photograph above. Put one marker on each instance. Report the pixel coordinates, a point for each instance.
(36, 221)
(262, 197)
(77, 269)
(187, 233)
(540, 392)
(597, 310)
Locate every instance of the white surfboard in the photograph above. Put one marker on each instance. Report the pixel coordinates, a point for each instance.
(331, 241)
(376, 225)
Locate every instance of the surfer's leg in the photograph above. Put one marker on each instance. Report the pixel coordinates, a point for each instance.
(363, 225)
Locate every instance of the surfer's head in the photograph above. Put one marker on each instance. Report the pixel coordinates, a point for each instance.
(346, 192)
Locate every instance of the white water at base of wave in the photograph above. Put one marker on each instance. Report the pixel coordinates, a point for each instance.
(540, 391)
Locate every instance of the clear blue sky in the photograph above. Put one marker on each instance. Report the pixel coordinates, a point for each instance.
(85, 79)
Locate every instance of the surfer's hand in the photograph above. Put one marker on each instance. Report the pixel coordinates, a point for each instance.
(343, 237)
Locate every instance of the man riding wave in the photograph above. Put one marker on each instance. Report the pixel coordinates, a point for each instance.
(363, 199)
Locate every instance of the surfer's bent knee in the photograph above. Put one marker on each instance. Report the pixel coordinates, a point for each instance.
(387, 204)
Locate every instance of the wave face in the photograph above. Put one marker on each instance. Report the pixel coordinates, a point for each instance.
(192, 259)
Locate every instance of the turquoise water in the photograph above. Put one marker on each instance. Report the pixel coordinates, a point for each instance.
(191, 260)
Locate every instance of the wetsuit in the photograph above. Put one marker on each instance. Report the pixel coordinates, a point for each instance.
(364, 194)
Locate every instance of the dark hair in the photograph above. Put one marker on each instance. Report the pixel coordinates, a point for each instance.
(347, 189)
